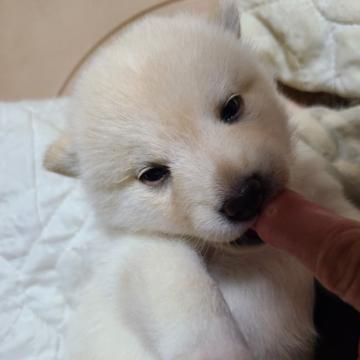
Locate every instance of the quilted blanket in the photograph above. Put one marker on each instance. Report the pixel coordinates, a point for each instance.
(45, 228)
(312, 45)
(334, 135)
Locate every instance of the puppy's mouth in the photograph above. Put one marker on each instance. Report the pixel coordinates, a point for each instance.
(249, 238)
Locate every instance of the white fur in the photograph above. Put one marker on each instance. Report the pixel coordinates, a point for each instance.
(152, 96)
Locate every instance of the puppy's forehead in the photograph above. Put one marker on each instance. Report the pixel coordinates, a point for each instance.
(163, 73)
(192, 68)
(177, 61)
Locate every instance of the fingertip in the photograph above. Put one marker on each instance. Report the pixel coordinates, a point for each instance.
(276, 222)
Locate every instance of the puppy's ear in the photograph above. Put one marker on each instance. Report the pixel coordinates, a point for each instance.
(227, 15)
(61, 157)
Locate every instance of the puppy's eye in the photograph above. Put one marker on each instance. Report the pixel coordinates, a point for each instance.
(154, 175)
(232, 109)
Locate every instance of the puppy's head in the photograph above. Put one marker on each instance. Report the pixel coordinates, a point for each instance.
(176, 129)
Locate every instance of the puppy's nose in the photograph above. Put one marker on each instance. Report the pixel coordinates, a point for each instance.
(247, 202)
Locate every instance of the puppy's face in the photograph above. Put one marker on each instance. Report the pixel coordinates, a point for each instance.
(177, 130)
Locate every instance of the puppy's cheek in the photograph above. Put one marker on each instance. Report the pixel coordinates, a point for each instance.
(274, 164)
(281, 169)
(123, 208)
(154, 212)
(278, 170)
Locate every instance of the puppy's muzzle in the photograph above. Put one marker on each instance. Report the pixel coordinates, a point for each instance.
(246, 202)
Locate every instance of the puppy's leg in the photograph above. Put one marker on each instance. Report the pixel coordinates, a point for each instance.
(157, 297)
(271, 298)
(175, 305)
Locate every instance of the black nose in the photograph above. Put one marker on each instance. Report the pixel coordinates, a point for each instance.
(247, 202)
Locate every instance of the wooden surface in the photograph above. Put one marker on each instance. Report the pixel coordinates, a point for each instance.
(44, 42)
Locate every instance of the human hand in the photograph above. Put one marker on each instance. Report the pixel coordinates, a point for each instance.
(327, 244)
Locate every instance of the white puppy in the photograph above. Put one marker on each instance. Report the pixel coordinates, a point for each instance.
(179, 137)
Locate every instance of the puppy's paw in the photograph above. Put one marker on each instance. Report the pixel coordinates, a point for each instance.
(218, 351)
(220, 340)
(212, 354)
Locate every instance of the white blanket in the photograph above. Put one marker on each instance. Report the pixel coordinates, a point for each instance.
(312, 45)
(45, 227)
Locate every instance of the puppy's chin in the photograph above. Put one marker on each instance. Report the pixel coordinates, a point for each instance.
(248, 242)
(245, 238)
(249, 238)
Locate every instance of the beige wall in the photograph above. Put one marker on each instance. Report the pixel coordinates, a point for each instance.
(43, 41)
